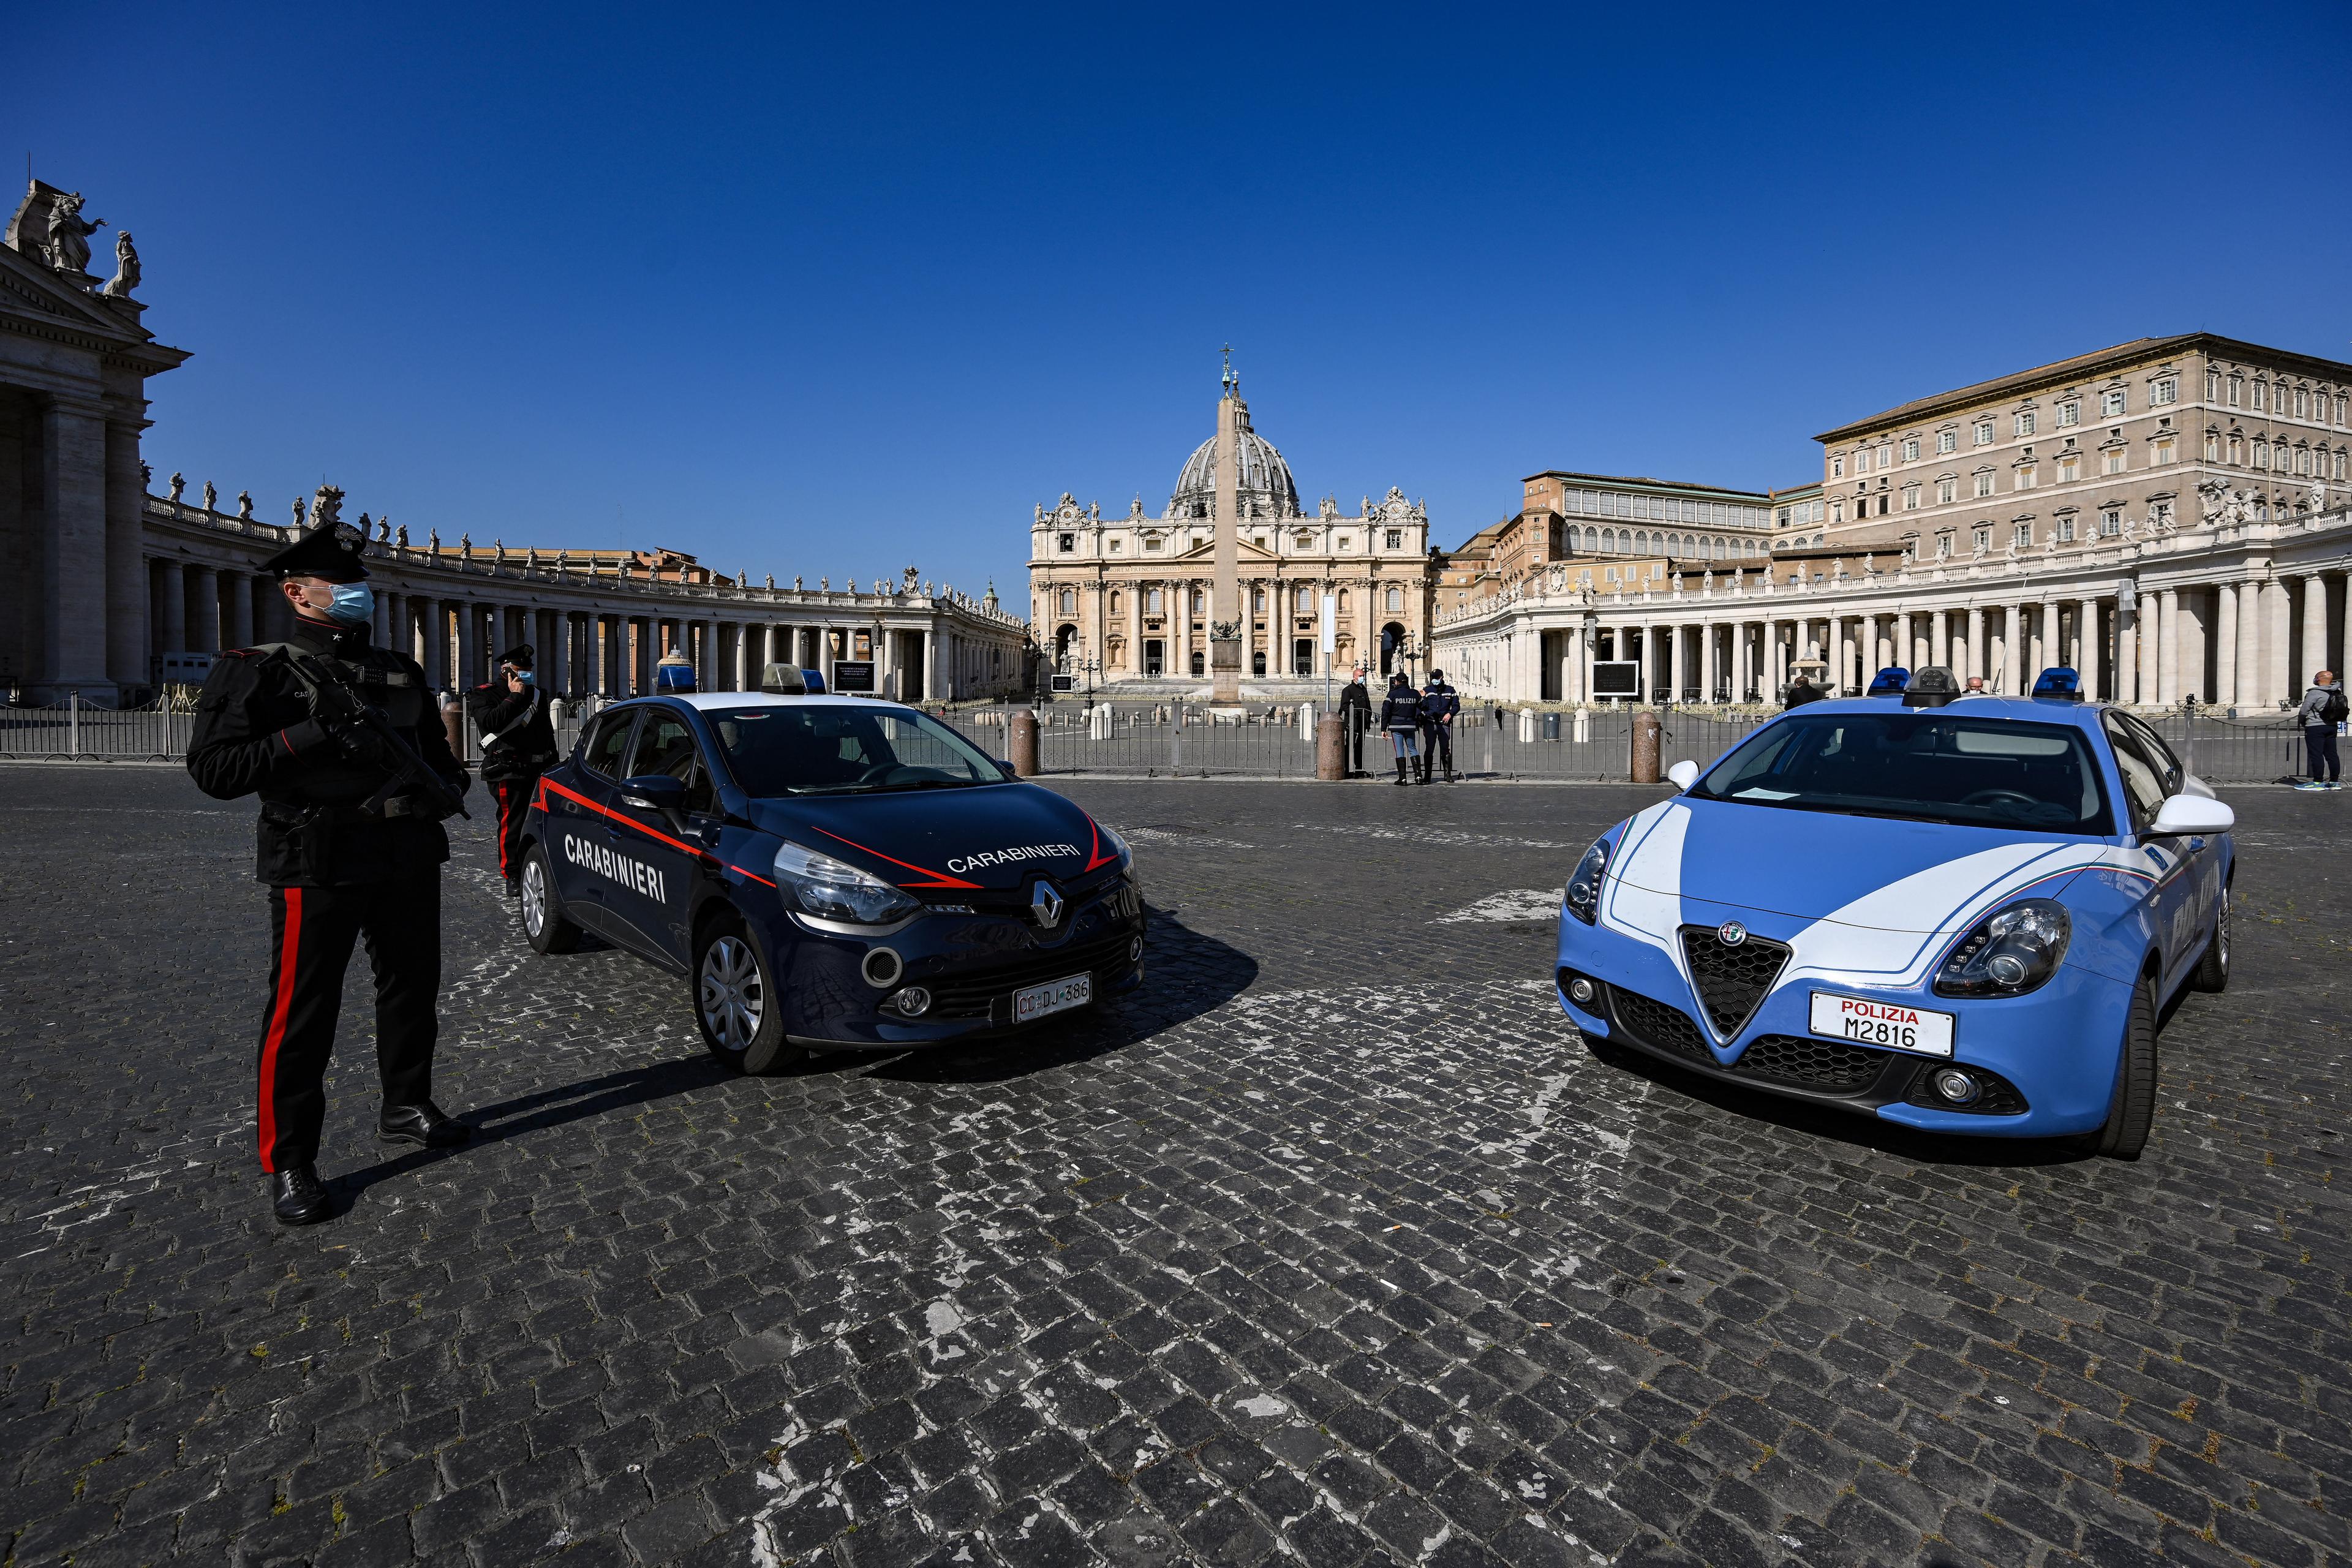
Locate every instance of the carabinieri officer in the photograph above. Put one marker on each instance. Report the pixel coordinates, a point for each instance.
(341, 740)
(518, 745)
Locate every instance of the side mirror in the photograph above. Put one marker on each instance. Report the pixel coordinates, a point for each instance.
(1683, 775)
(654, 792)
(2185, 816)
(1004, 767)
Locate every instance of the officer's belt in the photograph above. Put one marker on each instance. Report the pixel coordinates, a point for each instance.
(394, 807)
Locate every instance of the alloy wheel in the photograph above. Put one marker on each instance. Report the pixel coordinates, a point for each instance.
(733, 1000)
(534, 896)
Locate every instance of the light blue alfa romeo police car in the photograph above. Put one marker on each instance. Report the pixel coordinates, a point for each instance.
(827, 872)
(1962, 913)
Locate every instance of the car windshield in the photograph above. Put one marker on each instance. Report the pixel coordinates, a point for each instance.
(824, 749)
(1926, 766)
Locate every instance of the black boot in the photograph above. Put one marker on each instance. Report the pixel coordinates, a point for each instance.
(424, 1125)
(297, 1198)
(1401, 773)
(1422, 770)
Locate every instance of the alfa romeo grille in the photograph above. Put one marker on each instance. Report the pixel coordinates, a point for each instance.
(1730, 980)
(1829, 1065)
(1657, 1025)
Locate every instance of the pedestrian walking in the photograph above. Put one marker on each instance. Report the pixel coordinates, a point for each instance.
(518, 745)
(1801, 691)
(1401, 716)
(1355, 714)
(2322, 709)
(1438, 706)
(341, 741)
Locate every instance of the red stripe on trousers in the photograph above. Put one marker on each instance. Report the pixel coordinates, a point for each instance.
(288, 950)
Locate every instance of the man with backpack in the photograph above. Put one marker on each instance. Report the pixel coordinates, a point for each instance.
(2323, 708)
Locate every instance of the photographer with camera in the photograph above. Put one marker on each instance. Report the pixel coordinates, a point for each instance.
(518, 745)
(341, 740)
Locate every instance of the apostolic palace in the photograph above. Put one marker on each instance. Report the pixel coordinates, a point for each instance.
(2169, 516)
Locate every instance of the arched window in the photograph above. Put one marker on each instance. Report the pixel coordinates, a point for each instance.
(1641, 542)
(1069, 601)
(1302, 599)
(1592, 542)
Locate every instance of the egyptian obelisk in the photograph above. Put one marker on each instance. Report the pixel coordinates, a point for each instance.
(1228, 618)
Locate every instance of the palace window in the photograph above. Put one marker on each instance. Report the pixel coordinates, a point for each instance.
(2025, 477)
(2023, 534)
(1910, 497)
(1948, 490)
(2261, 396)
(1984, 538)
(1947, 441)
(2161, 451)
(2111, 522)
(1302, 539)
(2301, 461)
(2111, 403)
(1837, 511)
(1984, 481)
(2213, 447)
(1151, 542)
(1943, 546)
(2234, 457)
(1115, 545)
(1069, 601)
(2068, 469)
(1347, 541)
(1837, 468)
(1302, 600)
(1984, 432)
(1067, 543)
(2213, 385)
(1343, 601)
(1886, 454)
(1115, 605)
(2024, 423)
(2066, 531)
(1881, 503)
(1257, 600)
(1151, 601)
(1200, 602)
(2160, 512)
(1396, 598)
(2069, 414)
(2164, 391)
(1910, 448)
(1394, 538)
(2237, 390)
(2262, 453)
(2112, 460)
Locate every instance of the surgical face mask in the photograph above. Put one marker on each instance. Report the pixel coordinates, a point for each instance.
(524, 676)
(354, 604)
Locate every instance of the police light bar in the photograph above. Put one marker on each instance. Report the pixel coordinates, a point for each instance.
(813, 680)
(1930, 686)
(783, 680)
(674, 675)
(1889, 682)
(2059, 683)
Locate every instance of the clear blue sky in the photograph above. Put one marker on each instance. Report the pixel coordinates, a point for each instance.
(834, 290)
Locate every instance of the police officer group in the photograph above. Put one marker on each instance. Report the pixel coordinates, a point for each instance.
(1418, 722)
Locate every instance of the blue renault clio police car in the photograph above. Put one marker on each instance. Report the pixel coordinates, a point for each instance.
(1958, 912)
(829, 873)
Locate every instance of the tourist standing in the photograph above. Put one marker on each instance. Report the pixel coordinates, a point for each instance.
(340, 740)
(1801, 691)
(1401, 716)
(2322, 709)
(1355, 714)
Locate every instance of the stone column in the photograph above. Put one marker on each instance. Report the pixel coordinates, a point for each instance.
(2225, 643)
(558, 675)
(2012, 627)
(934, 689)
(173, 591)
(203, 598)
(2168, 646)
(1976, 648)
(2314, 633)
(72, 507)
(2246, 688)
(126, 560)
(2278, 675)
(237, 630)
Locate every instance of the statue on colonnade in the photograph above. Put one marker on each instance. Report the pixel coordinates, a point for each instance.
(69, 233)
(126, 268)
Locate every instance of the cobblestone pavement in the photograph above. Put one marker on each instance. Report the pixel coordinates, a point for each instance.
(1337, 1247)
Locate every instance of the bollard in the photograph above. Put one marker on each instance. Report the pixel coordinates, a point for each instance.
(1022, 743)
(1331, 748)
(453, 720)
(1645, 747)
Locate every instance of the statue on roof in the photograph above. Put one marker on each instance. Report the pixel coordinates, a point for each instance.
(126, 268)
(178, 484)
(401, 538)
(245, 505)
(69, 233)
(383, 529)
(211, 495)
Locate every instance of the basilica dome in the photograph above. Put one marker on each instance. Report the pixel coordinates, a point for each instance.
(1267, 489)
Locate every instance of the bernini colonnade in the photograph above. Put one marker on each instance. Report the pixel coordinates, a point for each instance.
(2237, 611)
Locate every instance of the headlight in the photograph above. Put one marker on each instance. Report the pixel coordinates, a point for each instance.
(1118, 844)
(2009, 953)
(1582, 898)
(829, 890)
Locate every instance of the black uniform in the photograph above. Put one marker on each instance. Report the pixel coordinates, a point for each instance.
(1438, 707)
(346, 850)
(1401, 716)
(1356, 715)
(518, 745)
(1800, 693)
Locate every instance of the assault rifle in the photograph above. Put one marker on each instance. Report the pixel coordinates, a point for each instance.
(348, 716)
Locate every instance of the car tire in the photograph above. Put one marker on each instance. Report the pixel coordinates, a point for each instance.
(2131, 1113)
(542, 908)
(736, 1004)
(2213, 969)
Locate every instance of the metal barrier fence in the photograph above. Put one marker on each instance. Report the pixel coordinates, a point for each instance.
(1173, 740)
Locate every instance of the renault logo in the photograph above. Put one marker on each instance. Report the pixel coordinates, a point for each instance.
(1731, 933)
(1046, 904)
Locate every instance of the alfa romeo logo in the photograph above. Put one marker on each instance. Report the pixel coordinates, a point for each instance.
(1731, 933)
